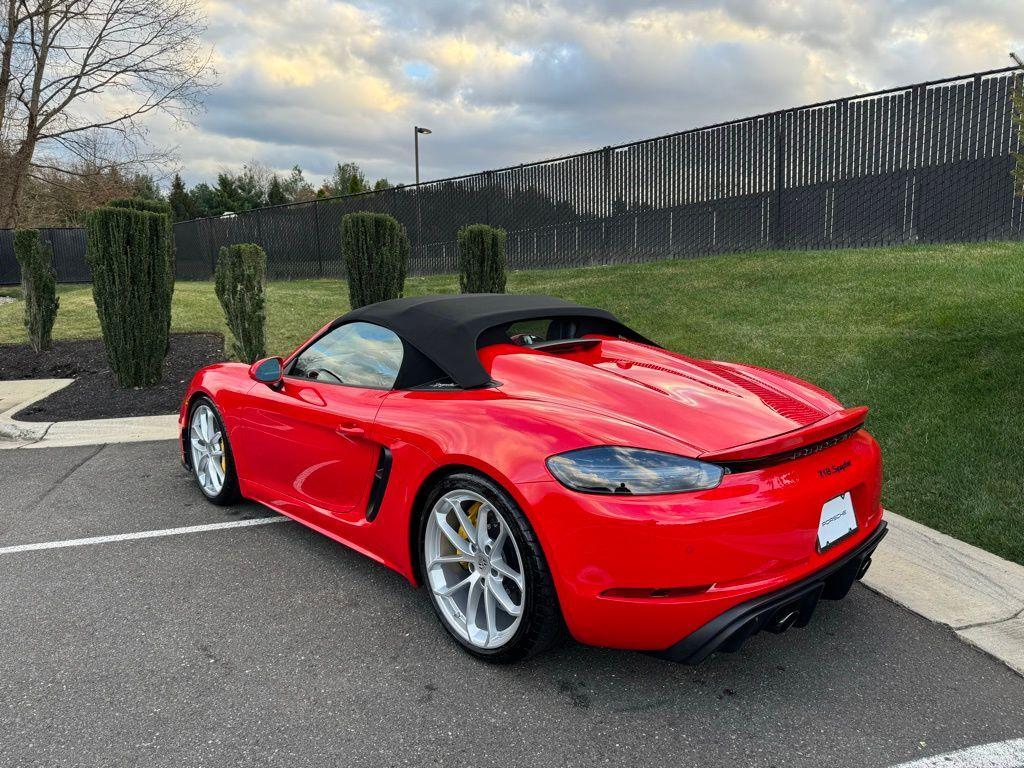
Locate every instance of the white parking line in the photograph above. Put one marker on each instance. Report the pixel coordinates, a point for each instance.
(999, 754)
(142, 535)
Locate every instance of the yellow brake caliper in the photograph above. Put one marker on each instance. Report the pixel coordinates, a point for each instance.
(472, 514)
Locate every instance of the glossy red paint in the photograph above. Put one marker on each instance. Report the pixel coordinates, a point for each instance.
(309, 449)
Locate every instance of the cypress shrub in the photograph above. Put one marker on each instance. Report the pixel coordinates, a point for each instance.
(136, 204)
(481, 259)
(376, 253)
(129, 253)
(241, 289)
(161, 207)
(39, 285)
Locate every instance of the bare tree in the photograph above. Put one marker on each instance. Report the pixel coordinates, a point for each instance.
(59, 192)
(72, 69)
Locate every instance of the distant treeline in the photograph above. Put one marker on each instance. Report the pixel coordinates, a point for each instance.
(257, 186)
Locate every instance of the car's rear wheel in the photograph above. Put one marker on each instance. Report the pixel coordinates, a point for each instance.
(210, 454)
(488, 580)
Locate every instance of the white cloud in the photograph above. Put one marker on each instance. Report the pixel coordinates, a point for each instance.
(320, 81)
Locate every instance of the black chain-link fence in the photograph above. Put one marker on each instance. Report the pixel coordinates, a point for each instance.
(925, 163)
(68, 244)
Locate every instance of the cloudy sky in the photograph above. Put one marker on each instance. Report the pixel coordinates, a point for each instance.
(314, 82)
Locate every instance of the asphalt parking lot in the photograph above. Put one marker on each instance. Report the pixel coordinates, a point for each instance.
(271, 645)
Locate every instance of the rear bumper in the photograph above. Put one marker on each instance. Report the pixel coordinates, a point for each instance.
(776, 611)
(641, 572)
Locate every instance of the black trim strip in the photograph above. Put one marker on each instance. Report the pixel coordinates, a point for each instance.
(380, 483)
(749, 465)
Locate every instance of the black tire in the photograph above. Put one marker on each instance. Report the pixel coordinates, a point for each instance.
(542, 625)
(229, 492)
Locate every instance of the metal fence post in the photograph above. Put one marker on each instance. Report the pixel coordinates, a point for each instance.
(606, 200)
(917, 161)
(316, 233)
(839, 163)
(488, 194)
(210, 250)
(775, 206)
(419, 223)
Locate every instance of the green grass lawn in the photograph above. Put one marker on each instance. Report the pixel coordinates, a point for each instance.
(929, 337)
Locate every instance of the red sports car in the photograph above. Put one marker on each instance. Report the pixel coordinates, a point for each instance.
(537, 465)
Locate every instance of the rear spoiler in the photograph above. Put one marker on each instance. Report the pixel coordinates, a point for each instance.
(839, 423)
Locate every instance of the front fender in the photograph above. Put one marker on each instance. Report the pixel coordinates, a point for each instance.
(225, 384)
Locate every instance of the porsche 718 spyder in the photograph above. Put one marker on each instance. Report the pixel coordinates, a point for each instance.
(538, 466)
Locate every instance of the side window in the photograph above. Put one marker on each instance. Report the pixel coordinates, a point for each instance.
(527, 332)
(357, 354)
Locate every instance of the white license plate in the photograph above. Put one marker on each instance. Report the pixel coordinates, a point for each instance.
(837, 521)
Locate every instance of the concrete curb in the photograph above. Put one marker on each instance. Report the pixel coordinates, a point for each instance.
(978, 595)
(16, 395)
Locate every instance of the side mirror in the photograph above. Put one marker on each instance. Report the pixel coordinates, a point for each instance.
(269, 371)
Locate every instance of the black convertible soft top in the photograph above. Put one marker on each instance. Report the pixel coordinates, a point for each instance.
(448, 330)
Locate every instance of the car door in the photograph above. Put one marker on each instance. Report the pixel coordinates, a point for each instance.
(310, 440)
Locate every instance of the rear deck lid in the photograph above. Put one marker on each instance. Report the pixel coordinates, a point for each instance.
(718, 408)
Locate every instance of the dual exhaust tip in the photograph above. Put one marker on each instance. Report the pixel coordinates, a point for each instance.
(863, 568)
(783, 620)
(787, 616)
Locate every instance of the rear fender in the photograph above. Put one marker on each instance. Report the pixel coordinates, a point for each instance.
(507, 440)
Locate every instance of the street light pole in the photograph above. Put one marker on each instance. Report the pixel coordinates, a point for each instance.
(416, 131)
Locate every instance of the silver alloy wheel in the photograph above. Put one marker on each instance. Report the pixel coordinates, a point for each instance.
(207, 443)
(474, 569)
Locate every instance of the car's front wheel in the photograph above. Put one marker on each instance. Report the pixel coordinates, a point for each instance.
(210, 454)
(487, 576)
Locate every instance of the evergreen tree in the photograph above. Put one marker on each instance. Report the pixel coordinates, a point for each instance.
(204, 200)
(275, 192)
(227, 197)
(256, 186)
(182, 206)
(144, 187)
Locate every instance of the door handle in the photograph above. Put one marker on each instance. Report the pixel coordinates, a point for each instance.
(350, 429)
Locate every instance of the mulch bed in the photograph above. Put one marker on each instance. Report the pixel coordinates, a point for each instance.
(95, 393)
